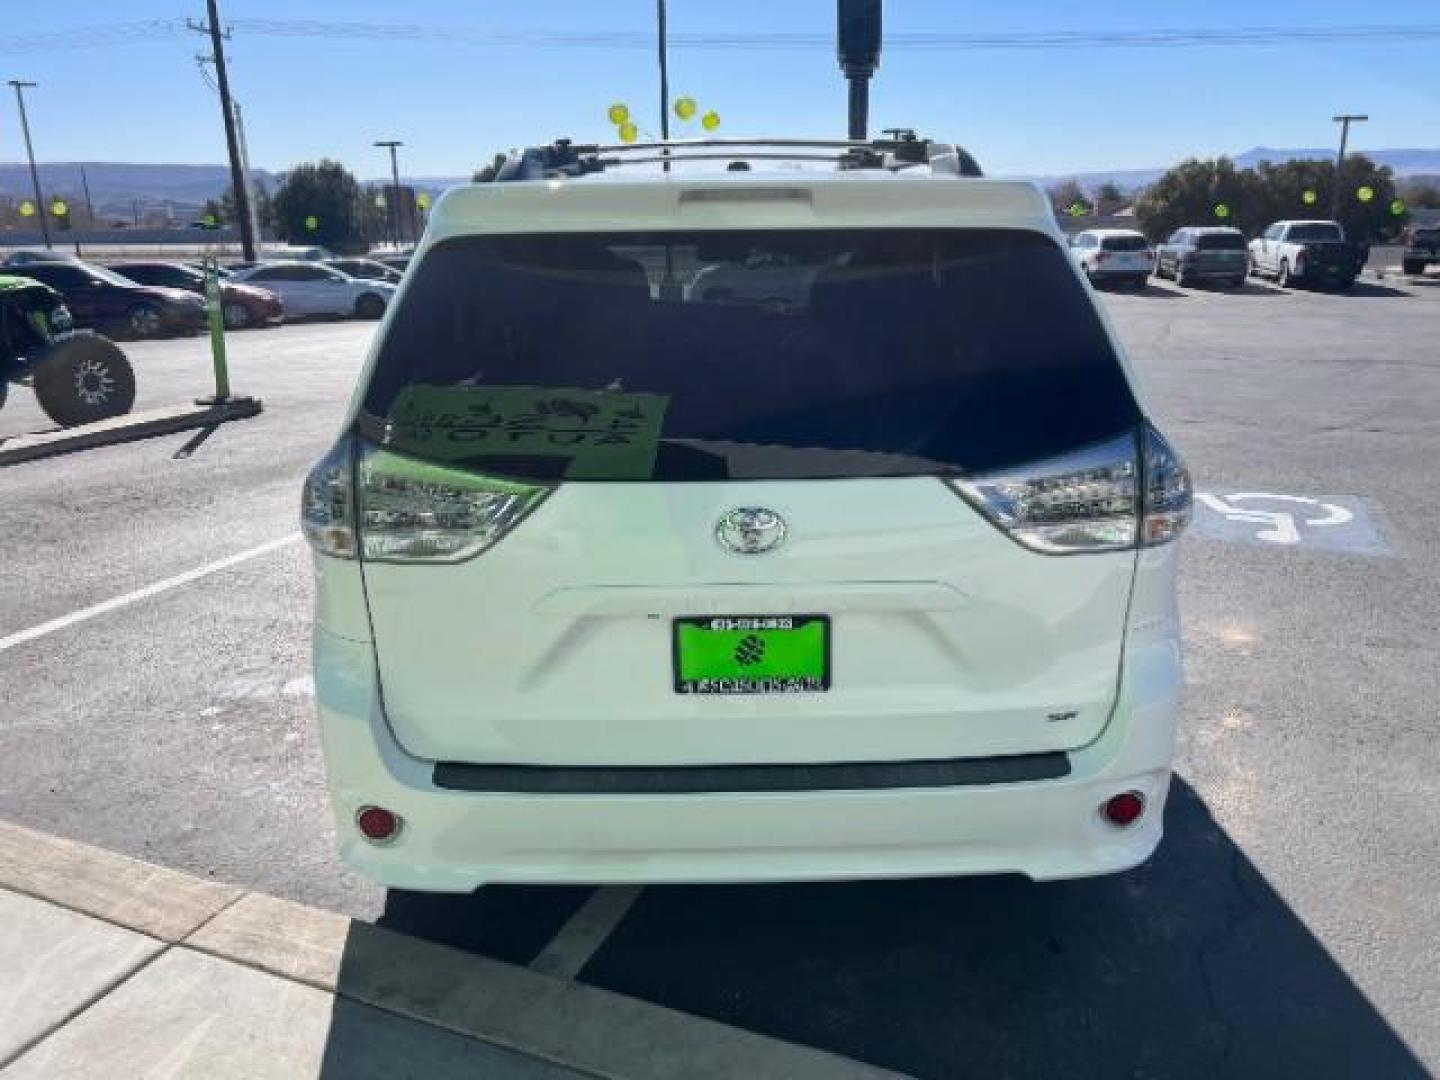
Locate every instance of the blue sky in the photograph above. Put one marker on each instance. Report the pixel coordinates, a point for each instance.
(454, 103)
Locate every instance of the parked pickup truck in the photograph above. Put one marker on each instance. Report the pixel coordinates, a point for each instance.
(1422, 247)
(1307, 252)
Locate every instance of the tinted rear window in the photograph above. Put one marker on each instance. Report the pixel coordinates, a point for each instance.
(1220, 242)
(1319, 230)
(746, 355)
(1124, 243)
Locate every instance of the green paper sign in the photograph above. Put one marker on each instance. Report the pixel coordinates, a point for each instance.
(602, 435)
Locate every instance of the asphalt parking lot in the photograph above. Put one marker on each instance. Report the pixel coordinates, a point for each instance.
(1289, 925)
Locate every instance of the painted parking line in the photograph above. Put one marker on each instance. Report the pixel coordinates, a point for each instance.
(585, 931)
(1275, 519)
(115, 603)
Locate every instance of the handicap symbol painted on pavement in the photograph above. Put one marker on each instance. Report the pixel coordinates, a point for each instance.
(1270, 518)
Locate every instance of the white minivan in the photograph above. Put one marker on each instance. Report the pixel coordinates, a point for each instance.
(622, 581)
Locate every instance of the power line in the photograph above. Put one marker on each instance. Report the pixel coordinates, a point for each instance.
(146, 31)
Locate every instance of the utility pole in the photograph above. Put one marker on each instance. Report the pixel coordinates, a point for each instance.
(238, 179)
(858, 40)
(89, 203)
(20, 88)
(1344, 120)
(392, 145)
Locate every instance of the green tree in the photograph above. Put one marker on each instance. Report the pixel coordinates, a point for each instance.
(1068, 194)
(1420, 193)
(1191, 192)
(1109, 198)
(323, 194)
(264, 206)
(1199, 192)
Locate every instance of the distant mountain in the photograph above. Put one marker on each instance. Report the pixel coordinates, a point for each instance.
(114, 186)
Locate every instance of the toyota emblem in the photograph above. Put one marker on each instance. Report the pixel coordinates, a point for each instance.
(750, 530)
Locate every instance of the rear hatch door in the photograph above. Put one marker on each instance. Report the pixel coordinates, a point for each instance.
(825, 409)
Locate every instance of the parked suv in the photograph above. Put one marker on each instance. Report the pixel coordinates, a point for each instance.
(876, 582)
(1203, 254)
(1113, 256)
(1422, 247)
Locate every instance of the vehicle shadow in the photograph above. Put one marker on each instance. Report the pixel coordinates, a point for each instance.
(1190, 966)
(1368, 288)
(1151, 290)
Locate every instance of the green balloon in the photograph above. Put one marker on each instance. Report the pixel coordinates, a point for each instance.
(1221, 210)
(312, 223)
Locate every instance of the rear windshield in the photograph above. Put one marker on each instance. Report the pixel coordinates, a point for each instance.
(1123, 243)
(1426, 236)
(1220, 242)
(1318, 230)
(745, 355)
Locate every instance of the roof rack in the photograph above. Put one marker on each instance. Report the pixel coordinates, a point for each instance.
(563, 158)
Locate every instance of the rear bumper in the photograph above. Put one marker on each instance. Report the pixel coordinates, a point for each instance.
(1209, 269)
(455, 841)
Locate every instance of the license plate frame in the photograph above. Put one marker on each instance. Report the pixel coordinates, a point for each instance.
(704, 670)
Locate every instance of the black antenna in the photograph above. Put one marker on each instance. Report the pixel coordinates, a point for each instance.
(858, 40)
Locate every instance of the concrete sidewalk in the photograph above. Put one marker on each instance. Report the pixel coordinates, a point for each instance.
(116, 968)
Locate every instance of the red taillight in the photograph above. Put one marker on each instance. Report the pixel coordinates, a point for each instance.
(1101, 256)
(1123, 809)
(377, 824)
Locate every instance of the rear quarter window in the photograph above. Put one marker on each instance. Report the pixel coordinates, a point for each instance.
(745, 355)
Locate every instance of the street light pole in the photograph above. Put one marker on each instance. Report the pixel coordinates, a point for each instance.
(392, 145)
(1344, 120)
(20, 88)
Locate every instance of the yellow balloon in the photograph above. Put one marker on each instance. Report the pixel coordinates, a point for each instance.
(685, 108)
(710, 121)
(1309, 198)
(27, 209)
(618, 113)
(1365, 194)
(423, 200)
(59, 208)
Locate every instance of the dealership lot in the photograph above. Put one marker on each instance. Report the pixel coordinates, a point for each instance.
(1288, 925)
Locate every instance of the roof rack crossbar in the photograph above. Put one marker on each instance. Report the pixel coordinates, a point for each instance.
(563, 158)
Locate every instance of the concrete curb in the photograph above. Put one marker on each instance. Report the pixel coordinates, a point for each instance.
(127, 428)
(570, 1024)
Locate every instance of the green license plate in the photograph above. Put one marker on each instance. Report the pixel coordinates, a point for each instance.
(752, 654)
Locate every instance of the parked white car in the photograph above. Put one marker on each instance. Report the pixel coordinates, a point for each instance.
(1115, 256)
(309, 288)
(660, 586)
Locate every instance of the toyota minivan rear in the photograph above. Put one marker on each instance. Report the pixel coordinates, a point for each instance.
(745, 528)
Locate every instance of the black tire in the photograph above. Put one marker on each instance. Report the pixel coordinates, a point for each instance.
(237, 315)
(1282, 275)
(1413, 267)
(4, 391)
(1236, 282)
(369, 306)
(83, 378)
(144, 321)
(1159, 269)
